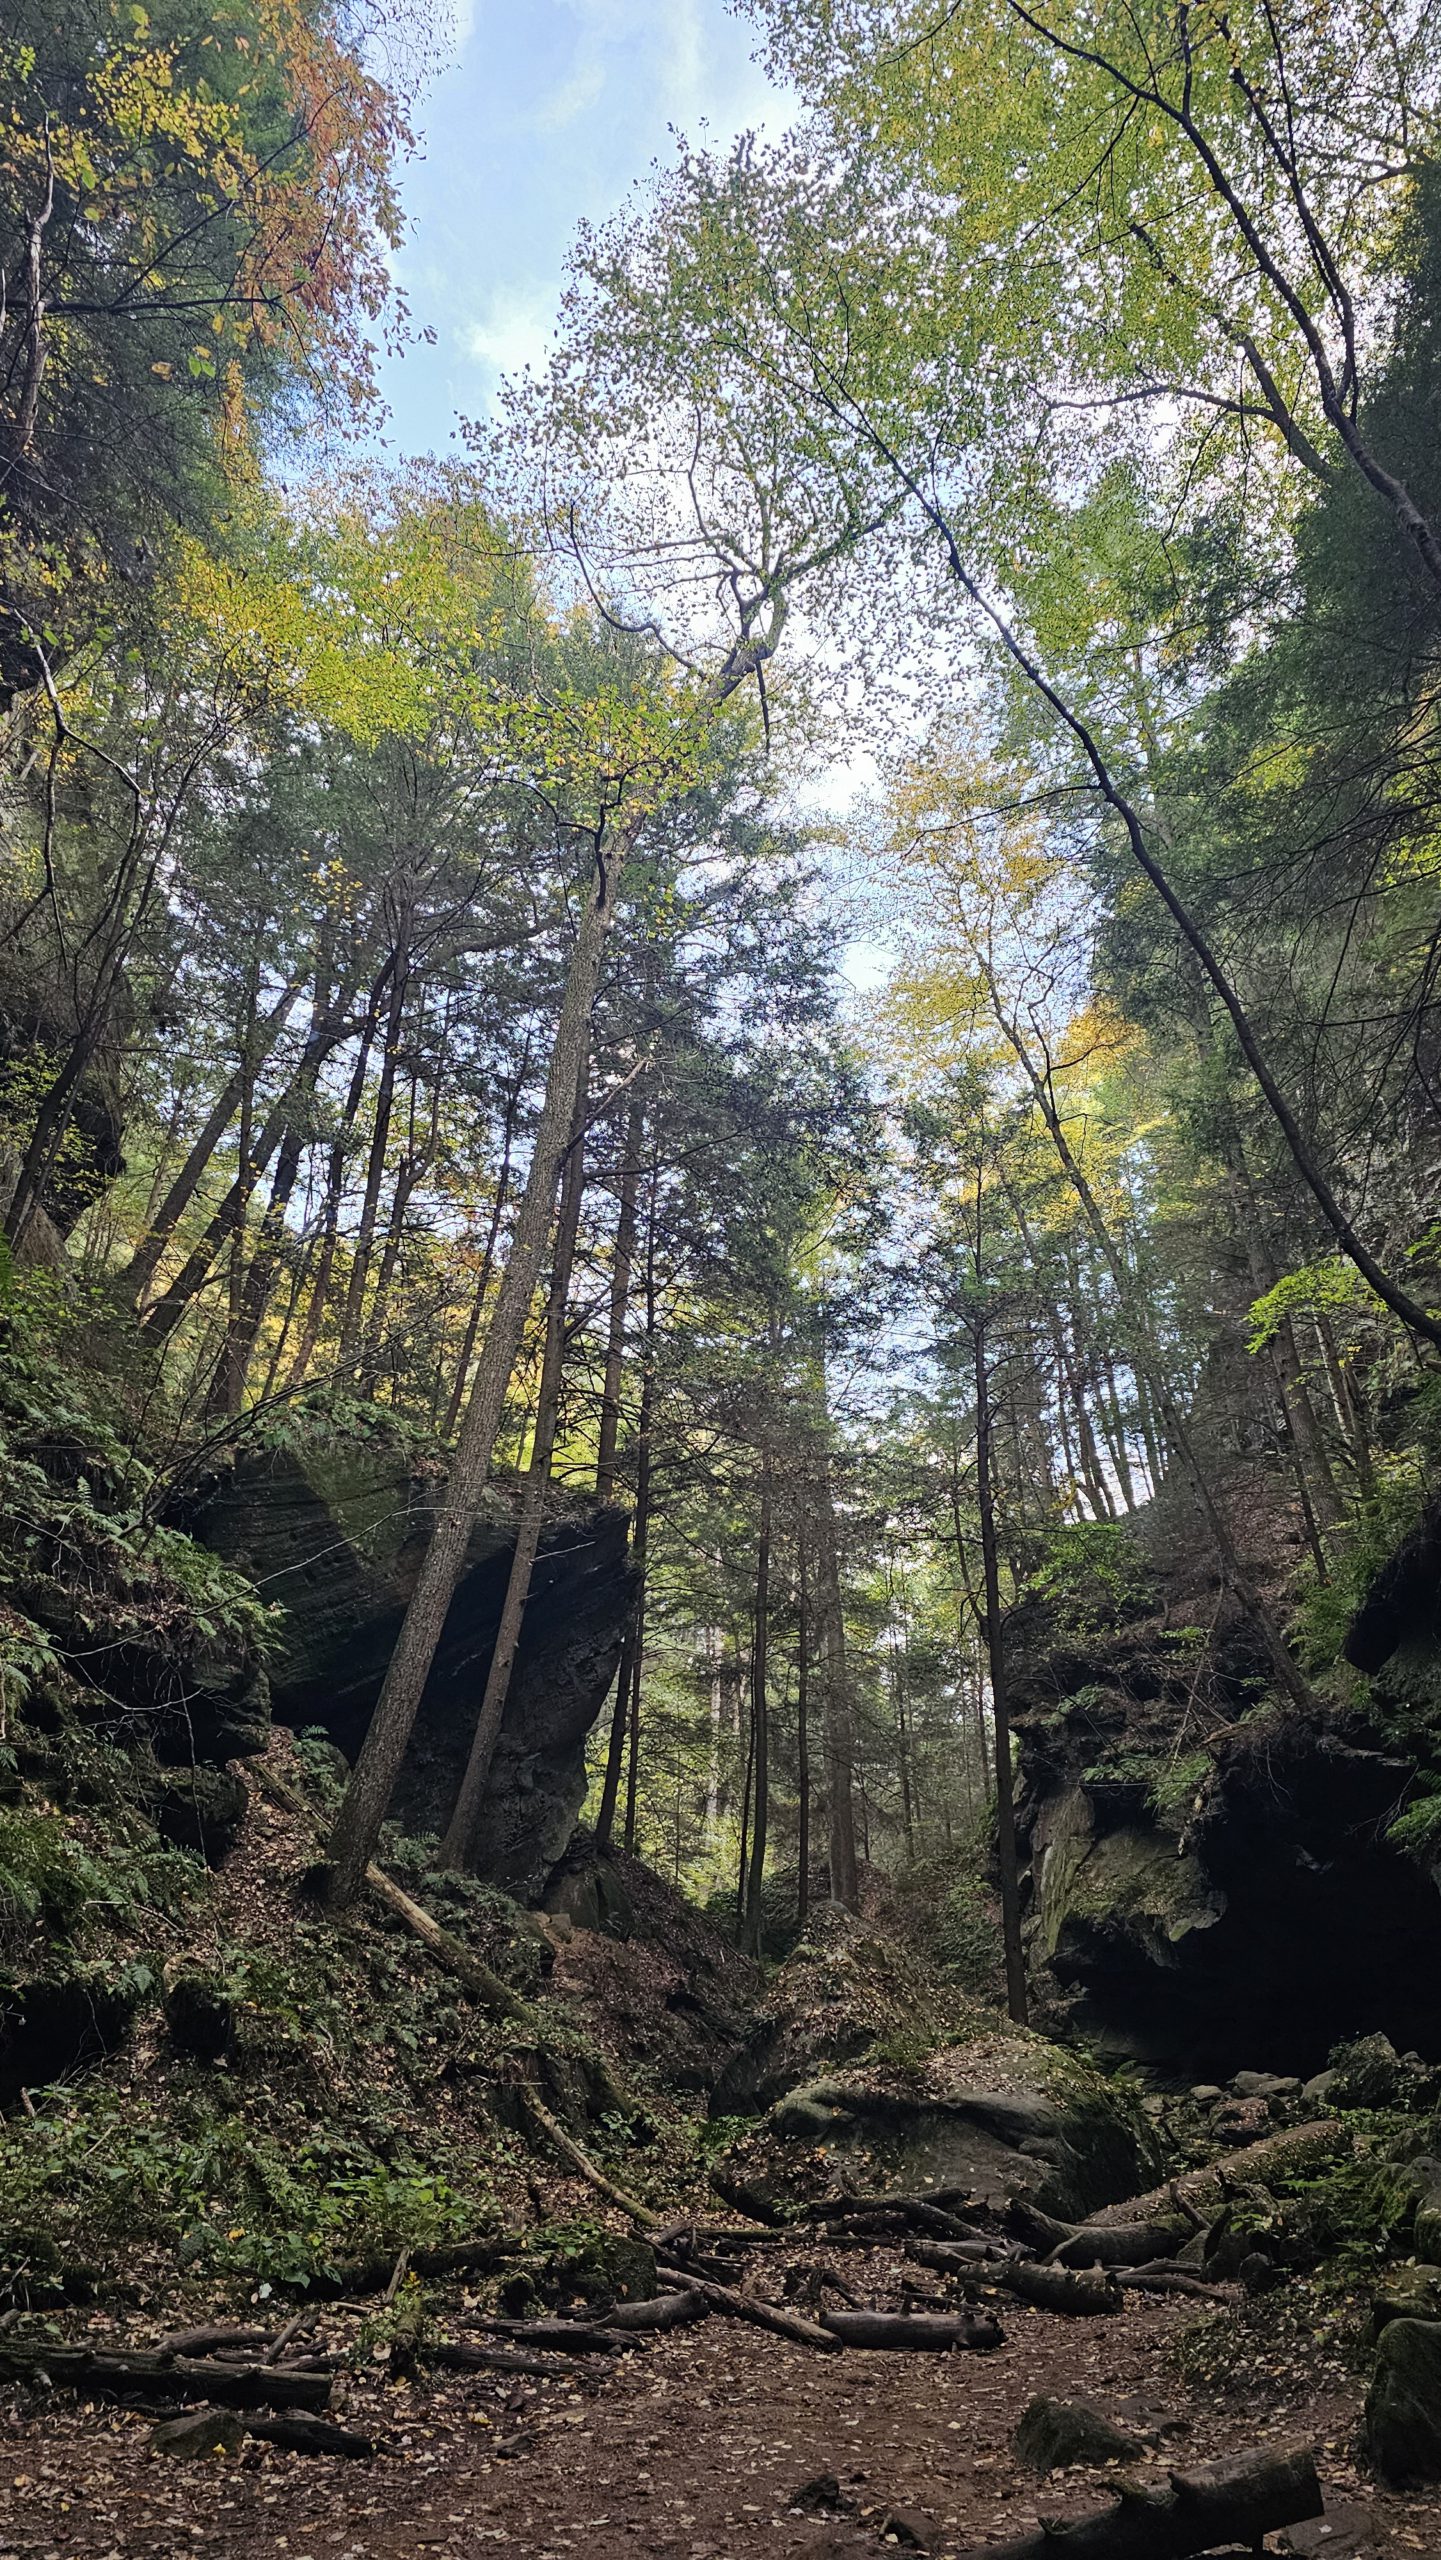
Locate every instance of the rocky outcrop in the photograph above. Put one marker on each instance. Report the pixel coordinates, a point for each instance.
(1209, 1877)
(872, 2074)
(332, 1533)
(1395, 1634)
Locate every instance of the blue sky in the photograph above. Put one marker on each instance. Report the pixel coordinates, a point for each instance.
(547, 112)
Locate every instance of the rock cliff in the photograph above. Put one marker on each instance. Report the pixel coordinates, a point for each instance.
(1210, 1876)
(333, 1532)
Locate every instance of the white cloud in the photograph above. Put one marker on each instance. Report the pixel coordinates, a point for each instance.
(514, 332)
(689, 76)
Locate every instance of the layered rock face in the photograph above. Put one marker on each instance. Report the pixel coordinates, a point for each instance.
(334, 1533)
(1209, 1878)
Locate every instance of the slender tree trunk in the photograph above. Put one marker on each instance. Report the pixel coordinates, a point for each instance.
(752, 1912)
(839, 1730)
(625, 1722)
(632, 1762)
(458, 1846)
(228, 1383)
(135, 1279)
(1016, 1999)
(641, 1540)
(1349, 1417)
(487, 1262)
(170, 1306)
(1116, 1428)
(352, 1314)
(619, 1300)
(335, 1185)
(367, 1797)
(1417, 1318)
(803, 1731)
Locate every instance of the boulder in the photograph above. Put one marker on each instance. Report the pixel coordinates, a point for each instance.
(1405, 2293)
(1241, 2120)
(1054, 2434)
(334, 1531)
(1403, 2405)
(1265, 2084)
(907, 2132)
(201, 2433)
(201, 1809)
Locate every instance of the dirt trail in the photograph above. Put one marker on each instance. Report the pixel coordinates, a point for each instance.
(692, 2449)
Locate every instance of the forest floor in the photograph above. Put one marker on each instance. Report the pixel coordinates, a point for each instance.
(697, 2446)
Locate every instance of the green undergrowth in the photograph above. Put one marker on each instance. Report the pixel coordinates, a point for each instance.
(281, 2099)
(86, 1562)
(1331, 2232)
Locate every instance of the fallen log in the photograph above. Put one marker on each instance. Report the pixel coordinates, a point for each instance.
(960, 2257)
(311, 2435)
(564, 2337)
(1071, 2289)
(1237, 2500)
(915, 2332)
(450, 1952)
(1120, 2244)
(693, 2235)
(373, 2272)
(1170, 2280)
(1283, 2154)
(911, 2215)
(663, 2311)
(1040, 2231)
(934, 2212)
(761, 2315)
(581, 2161)
(112, 2371)
(457, 2355)
(210, 2342)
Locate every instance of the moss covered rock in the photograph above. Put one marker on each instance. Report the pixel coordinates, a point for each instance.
(1403, 2405)
(1053, 2434)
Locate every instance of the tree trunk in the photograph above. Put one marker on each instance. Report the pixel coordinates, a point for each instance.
(487, 1262)
(352, 1313)
(803, 1732)
(839, 1732)
(457, 1847)
(752, 1913)
(145, 1261)
(367, 1797)
(1417, 1318)
(619, 1299)
(1231, 1567)
(334, 1185)
(1016, 2000)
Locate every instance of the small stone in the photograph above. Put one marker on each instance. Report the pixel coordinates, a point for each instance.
(1154, 2107)
(1248, 2084)
(1265, 2084)
(1258, 2273)
(1055, 2433)
(203, 2432)
(1241, 2120)
(1343, 2533)
(908, 2528)
(1403, 2405)
(1317, 2091)
(822, 2496)
(1206, 2093)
